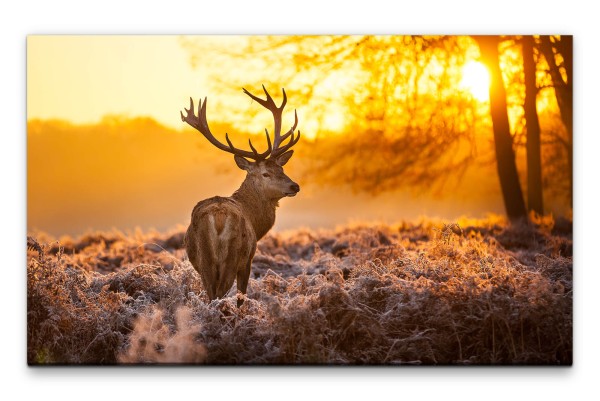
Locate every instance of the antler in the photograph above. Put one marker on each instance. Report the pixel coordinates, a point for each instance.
(277, 111)
(199, 122)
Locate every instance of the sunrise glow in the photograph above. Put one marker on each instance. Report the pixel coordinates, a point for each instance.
(476, 80)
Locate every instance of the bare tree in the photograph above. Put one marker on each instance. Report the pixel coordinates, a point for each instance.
(534, 154)
(505, 155)
(558, 52)
(403, 108)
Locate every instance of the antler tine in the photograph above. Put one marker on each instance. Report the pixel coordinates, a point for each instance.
(279, 151)
(270, 100)
(252, 147)
(284, 99)
(268, 141)
(228, 141)
(200, 123)
(202, 115)
(268, 104)
(290, 132)
(190, 119)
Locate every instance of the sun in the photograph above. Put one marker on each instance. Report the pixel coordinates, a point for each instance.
(476, 80)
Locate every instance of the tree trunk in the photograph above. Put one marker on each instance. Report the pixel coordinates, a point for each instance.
(532, 124)
(562, 89)
(505, 156)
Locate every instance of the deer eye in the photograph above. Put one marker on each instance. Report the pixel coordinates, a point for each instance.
(266, 175)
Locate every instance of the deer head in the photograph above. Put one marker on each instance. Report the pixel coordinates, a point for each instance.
(265, 172)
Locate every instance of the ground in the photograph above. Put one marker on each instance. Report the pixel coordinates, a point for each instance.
(431, 292)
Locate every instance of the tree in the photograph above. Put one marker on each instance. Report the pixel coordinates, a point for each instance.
(505, 156)
(403, 113)
(399, 100)
(535, 92)
(408, 126)
(558, 52)
(546, 143)
(534, 156)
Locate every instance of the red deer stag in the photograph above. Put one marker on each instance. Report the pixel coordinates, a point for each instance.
(221, 239)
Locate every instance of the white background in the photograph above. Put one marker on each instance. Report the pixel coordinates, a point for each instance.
(21, 18)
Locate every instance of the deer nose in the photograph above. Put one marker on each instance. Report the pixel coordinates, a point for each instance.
(295, 188)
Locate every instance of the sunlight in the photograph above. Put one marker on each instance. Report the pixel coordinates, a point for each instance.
(476, 79)
(334, 121)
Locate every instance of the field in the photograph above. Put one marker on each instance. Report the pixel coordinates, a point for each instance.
(471, 292)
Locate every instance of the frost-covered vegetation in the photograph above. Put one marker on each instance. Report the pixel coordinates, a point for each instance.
(477, 292)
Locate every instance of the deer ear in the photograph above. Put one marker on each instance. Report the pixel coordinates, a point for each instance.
(283, 158)
(242, 163)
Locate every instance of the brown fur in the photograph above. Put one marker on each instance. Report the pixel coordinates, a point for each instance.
(221, 239)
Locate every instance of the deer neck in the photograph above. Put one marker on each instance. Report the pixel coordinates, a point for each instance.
(256, 206)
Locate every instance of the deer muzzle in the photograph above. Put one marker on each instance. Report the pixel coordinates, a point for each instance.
(294, 189)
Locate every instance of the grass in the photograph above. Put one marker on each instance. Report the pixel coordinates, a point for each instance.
(476, 292)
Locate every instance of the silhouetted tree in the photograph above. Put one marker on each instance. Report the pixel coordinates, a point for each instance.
(534, 154)
(558, 52)
(404, 116)
(539, 133)
(505, 156)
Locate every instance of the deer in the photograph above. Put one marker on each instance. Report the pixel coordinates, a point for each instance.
(222, 237)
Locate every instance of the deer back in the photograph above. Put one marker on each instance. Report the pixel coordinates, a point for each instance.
(219, 242)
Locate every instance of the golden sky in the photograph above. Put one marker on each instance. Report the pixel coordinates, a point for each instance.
(101, 181)
(83, 78)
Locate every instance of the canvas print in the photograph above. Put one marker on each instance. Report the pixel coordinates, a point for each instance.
(299, 200)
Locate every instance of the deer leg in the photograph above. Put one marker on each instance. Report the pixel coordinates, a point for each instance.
(211, 287)
(242, 280)
(207, 275)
